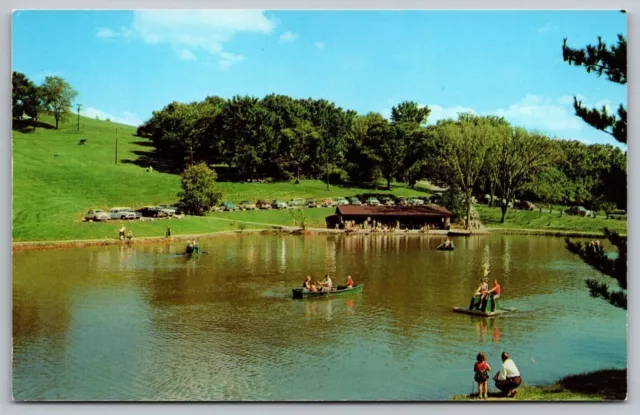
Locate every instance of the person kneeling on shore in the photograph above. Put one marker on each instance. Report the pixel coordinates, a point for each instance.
(508, 378)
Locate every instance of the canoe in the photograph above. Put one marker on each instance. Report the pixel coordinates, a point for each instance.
(299, 293)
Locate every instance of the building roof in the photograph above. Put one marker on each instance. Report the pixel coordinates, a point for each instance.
(364, 210)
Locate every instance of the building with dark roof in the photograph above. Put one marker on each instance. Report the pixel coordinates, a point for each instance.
(409, 217)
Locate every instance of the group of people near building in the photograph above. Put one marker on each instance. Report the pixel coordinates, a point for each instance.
(507, 380)
(326, 285)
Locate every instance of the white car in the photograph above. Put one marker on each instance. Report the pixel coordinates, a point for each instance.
(169, 209)
(96, 215)
(372, 201)
(341, 201)
(122, 213)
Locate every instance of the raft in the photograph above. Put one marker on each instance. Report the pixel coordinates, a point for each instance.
(442, 247)
(300, 293)
(487, 313)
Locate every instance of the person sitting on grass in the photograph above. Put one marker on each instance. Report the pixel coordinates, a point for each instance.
(481, 371)
(121, 232)
(129, 235)
(508, 378)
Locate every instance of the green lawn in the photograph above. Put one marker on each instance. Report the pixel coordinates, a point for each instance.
(522, 219)
(599, 385)
(56, 181)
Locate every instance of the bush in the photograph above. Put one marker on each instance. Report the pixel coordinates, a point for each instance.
(199, 192)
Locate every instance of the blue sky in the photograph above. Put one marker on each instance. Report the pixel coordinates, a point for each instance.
(126, 64)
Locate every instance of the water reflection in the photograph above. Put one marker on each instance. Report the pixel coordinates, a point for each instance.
(151, 324)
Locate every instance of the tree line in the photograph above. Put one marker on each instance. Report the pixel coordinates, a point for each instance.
(282, 138)
(53, 97)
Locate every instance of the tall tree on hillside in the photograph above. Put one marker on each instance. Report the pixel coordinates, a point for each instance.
(26, 98)
(401, 150)
(520, 155)
(362, 159)
(463, 146)
(57, 96)
(199, 192)
(612, 62)
(297, 141)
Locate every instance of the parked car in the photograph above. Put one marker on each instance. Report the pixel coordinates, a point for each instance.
(170, 209)
(328, 203)
(97, 215)
(229, 206)
(153, 212)
(401, 201)
(121, 213)
(279, 204)
(525, 205)
(372, 201)
(580, 211)
(355, 201)
(387, 201)
(137, 213)
(617, 214)
(415, 202)
(263, 204)
(341, 201)
(311, 203)
(246, 205)
(296, 203)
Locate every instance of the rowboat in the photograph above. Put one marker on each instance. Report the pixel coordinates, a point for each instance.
(498, 310)
(443, 248)
(300, 293)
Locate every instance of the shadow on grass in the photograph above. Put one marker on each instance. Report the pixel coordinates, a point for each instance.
(28, 126)
(610, 384)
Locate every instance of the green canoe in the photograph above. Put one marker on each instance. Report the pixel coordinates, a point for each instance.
(300, 293)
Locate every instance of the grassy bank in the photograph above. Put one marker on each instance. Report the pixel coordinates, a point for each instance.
(533, 220)
(56, 181)
(601, 385)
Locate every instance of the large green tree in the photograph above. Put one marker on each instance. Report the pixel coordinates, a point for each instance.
(57, 96)
(520, 156)
(199, 192)
(26, 98)
(463, 146)
(610, 61)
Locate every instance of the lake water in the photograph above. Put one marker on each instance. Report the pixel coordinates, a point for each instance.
(143, 323)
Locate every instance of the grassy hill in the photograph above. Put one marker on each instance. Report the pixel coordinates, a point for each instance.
(56, 181)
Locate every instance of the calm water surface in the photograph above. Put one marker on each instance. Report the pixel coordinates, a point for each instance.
(142, 323)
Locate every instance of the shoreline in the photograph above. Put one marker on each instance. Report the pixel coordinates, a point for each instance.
(24, 246)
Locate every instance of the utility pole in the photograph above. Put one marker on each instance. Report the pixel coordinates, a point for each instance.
(116, 145)
(79, 106)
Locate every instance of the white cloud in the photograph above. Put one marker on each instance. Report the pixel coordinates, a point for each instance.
(227, 59)
(548, 27)
(186, 55)
(319, 45)
(440, 113)
(535, 112)
(194, 30)
(128, 118)
(288, 37)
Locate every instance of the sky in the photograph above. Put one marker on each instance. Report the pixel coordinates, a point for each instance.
(127, 64)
